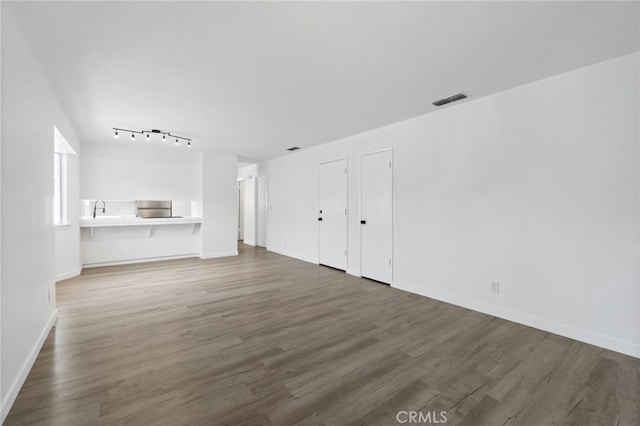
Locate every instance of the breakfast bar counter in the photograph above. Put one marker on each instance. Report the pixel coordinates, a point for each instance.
(102, 221)
(112, 240)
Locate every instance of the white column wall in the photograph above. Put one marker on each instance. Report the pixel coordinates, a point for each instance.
(219, 205)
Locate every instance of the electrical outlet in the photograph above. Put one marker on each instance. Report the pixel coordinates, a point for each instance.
(495, 287)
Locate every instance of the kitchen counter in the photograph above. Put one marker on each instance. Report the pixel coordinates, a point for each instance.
(102, 221)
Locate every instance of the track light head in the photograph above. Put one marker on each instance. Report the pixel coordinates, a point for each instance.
(133, 136)
(164, 138)
(189, 144)
(148, 136)
(176, 141)
(116, 135)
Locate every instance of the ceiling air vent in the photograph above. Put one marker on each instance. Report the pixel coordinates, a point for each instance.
(450, 99)
(293, 148)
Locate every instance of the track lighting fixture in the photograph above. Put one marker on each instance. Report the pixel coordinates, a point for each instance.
(450, 99)
(147, 135)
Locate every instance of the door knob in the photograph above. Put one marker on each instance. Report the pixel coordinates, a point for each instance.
(320, 219)
(363, 222)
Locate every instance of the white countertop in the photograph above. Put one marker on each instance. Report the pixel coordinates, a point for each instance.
(102, 221)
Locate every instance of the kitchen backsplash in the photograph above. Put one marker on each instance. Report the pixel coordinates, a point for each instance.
(128, 208)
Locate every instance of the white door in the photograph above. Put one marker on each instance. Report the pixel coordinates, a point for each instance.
(262, 211)
(332, 214)
(376, 216)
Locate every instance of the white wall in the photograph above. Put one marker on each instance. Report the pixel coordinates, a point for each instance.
(30, 110)
(133, 171)
(219, 205)
(536, 187)
(3, 408)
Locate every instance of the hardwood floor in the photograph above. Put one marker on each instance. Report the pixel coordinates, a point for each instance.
(264, 339)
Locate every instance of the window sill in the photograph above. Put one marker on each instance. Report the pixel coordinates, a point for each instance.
(63, 226)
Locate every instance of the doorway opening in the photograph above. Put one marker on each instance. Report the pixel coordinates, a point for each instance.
(261, 211)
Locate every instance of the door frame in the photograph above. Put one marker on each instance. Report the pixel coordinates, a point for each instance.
(241, 208)
(266, 209)
(346, 159)
(393, 207)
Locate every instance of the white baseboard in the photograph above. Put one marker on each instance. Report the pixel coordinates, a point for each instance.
(354, 273)
(142, 260)
(286, 253)
(219, 254)
(14, 389)
(69, 274)
(586, 336)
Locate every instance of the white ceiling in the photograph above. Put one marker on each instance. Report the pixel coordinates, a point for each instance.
(256, 78)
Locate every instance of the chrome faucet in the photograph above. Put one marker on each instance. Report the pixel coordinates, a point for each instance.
(95, 206)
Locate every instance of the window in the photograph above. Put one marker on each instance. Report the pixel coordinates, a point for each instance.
(60, 188)
(61, 152)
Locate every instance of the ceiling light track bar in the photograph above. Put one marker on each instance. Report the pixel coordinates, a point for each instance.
(150, 132)
(450, 99)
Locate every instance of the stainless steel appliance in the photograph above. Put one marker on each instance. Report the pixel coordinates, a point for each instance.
(149, 209)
